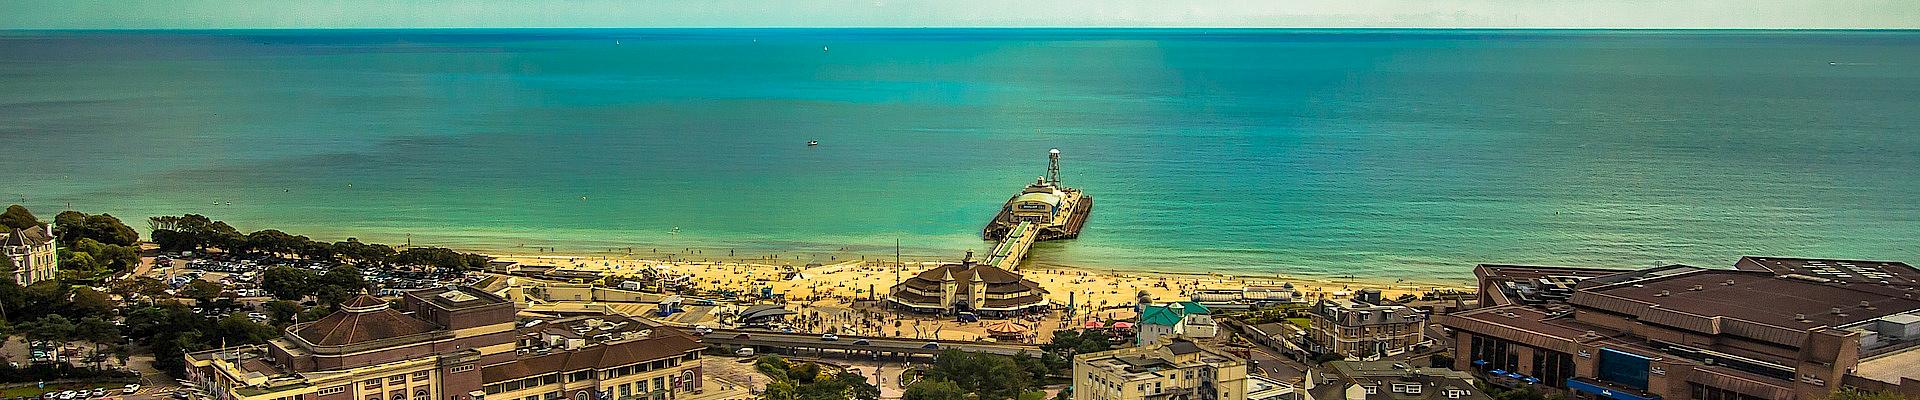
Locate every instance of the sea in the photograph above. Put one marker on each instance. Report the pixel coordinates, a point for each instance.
(1388, 155)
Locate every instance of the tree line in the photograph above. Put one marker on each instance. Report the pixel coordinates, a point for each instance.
(197, 233)
(90, 247)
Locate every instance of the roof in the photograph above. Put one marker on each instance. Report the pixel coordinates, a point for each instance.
(663, 343)
(1854, 271)
(1183, 347)
(1160, 315)
(1396, 381)
(362, 319)
(1759, 297)
(1048, 198)
(457, 297)
(26, 237)
(997, 281)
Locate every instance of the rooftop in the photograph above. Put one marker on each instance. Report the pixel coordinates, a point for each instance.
(1759, 297)
(1853, 271)
(359, 320)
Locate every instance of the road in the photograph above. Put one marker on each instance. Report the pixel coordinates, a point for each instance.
(851, 344)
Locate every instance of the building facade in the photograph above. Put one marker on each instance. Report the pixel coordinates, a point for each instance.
(33, 254)
(1772, 328)
(1179, 319)
(453, 344)
(1365, 326)
(1176, 370)
(969, 287)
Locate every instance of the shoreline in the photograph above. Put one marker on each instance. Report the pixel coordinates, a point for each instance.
(847, 281)
(1028, 266)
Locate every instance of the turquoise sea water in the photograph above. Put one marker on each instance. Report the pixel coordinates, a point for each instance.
(1384, 154)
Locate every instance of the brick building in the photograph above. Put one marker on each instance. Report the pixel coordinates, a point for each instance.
(1771, 328)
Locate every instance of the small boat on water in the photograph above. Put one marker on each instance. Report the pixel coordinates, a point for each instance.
(813, 143)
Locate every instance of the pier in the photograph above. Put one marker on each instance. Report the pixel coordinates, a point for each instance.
(1044, 210)
(1012, 248)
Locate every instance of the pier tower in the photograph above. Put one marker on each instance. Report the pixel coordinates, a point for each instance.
(1053, 167)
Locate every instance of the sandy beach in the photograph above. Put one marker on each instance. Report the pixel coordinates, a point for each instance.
(842, 294)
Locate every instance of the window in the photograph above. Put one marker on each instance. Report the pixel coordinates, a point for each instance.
(333, 390)
(626, 390)
(371, 383)
(1455, 393)
(1371, 389)
(420, 394)
(461, 368)
(580, 395)
(422, 375)
(640, 386)
(1413, 388)
(397, 380)
(1624, 368)
(660, 383)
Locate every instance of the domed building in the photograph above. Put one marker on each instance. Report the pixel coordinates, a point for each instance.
(969, 286)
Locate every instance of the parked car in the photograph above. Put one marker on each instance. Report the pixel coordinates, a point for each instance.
(931, 346)
(829, 337)
(744, 352)
(130, 388)
(862, 342)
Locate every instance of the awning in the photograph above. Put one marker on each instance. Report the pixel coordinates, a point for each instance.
(1602, 391)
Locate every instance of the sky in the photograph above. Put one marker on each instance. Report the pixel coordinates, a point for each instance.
(203, 14)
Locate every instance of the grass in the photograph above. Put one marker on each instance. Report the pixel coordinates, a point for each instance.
(30, 390)
(1303, 323)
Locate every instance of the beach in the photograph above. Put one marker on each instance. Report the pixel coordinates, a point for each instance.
(843, 294)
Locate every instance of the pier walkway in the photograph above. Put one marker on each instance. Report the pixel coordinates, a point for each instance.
(1013, 247)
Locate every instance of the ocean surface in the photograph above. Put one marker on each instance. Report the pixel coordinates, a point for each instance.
(1376, 154)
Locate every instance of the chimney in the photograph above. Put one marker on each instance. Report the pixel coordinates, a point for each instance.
(1663, 293)
(1729, 282)
(1697, 288)
(1800, 317)
(1866, 304)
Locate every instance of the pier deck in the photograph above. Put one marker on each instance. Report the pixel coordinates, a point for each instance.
(1013, 247)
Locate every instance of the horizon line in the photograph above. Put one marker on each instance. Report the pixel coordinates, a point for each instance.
(896, 27)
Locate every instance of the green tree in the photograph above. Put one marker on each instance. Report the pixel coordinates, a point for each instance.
(85, 302)
(139, 286)
(202, 291)
(931, 389)
(990, 376)
(98, 332)
(1853, 394)
(857, 386)
(18, 217)
(339, 284)
(287, 283)
(237, 330)
(52, 328)
(71, 226)
(281, 312)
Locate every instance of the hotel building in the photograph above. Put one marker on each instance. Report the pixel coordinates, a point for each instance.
(32, 252)
(1176, 370)
(454, 344)
(1364, 326)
